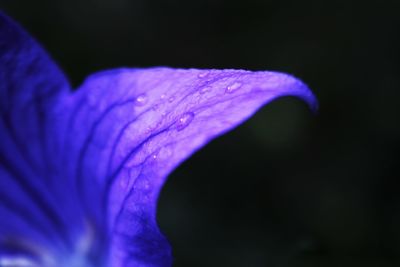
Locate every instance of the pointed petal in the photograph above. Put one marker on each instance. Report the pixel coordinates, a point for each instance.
(135, 126)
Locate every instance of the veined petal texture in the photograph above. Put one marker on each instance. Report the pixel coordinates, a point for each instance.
(80, 172)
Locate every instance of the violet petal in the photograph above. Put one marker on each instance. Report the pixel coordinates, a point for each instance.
(80, 172)
(143, 123)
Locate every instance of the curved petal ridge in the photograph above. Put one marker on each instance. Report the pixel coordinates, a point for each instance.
(142, 123)
(80, 172)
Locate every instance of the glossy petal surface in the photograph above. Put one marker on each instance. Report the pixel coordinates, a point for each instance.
(81, 171)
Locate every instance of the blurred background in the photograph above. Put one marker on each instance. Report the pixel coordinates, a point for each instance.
(287, 188)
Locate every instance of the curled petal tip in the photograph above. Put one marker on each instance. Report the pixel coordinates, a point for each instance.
(80, 172)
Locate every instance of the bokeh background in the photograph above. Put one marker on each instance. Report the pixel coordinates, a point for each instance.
(287, 188)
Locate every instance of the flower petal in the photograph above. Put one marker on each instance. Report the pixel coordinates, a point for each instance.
(30, 86)
(80, 172)
(134, 126)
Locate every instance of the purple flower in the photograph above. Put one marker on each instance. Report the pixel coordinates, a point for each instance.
(80, 171)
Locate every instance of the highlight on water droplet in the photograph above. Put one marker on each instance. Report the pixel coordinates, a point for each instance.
(163, 96)
(184, 120)
(202, 74)
(124, 181)
(233, 87)
(145, 184)
(141, 100)
(205, 89)
(171, 99)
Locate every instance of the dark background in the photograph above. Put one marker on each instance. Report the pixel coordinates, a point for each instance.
(287, 188)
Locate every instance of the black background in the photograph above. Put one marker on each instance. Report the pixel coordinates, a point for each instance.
(287, 188)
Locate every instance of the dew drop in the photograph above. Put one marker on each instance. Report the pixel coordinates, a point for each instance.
(184, 120)
(141, 100)
(124, 182)
(233, 87)
(202, 74)
(146, 184)
(162, 96)
(204, 90)
(171, 99)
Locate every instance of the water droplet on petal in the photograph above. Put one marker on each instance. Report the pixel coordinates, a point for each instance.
(184, 120)
(205, 89)
(171, 99)
(142, 183)
(162, 96)
(154, 156)
(141, 100)
(124, 181)
(202, 74)
(233, 87)
(146, 184)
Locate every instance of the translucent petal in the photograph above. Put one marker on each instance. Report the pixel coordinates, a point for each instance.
(137, 125)
(80, 172)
